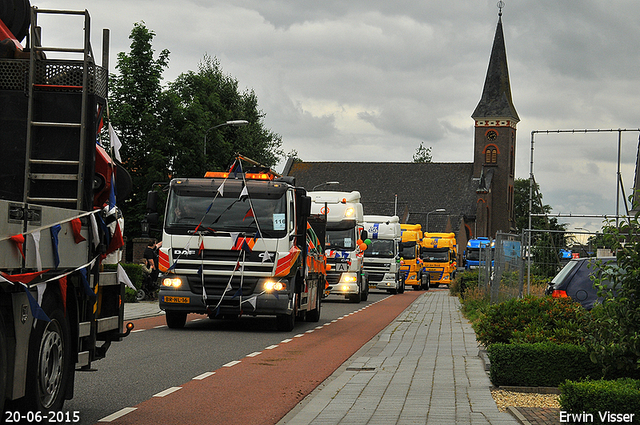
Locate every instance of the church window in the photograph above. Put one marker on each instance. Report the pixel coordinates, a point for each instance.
(491, 154)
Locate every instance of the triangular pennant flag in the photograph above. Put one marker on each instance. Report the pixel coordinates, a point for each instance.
(63, 291)
(234, 238)
(220, 191)
(173, 266)
(85, 283)
(244, 194)
(238, 293)
(19, 241)
(94, 230)
(36, 241)
(249, 214)
(116, 240)
(22, 278)
(245, 246)
(54, 244)
(124, 278)
(228, 288)
(251, 301)
(112, 193)
(238, 266)
(257, 235)
(199, 271)
(115, 143)
(104, 228)
(36, 310)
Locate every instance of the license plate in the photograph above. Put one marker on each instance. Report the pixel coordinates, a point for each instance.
(178, 300)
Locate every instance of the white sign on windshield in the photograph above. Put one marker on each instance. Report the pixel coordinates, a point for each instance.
(279, 221)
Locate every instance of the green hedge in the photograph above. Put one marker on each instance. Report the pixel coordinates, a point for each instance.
(532, 319)
(542, 364)
(597, 398)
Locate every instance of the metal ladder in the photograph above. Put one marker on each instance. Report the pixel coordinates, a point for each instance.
(38, 80)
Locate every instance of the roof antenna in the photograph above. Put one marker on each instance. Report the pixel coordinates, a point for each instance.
(500, 6)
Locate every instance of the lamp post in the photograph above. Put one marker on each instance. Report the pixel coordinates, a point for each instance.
(234, 123)
(426, 224)
(324, 184)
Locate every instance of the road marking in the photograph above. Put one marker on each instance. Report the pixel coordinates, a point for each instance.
(196, 320)
(161, 326)
(271, 347)
(298, 336)
(319, 327)
(284, 341)
(233, 363)
(256, 353)
(120, 413)
(204, 375)
(167, 391)
(137, 330)
(309, 331)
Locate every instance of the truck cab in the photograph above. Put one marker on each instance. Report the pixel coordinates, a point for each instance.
(477, 251)
(240, 243)
(344, 243)
(382, 257)
(410, 262)
(438, 253)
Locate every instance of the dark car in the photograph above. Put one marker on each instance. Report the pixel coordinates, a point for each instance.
(574, 280)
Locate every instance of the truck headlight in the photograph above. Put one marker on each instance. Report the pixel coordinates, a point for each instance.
(274, 285)
(172, 282)
(348, 278)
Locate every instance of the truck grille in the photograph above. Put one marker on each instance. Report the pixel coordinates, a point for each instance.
(375, 277)
(215, 285)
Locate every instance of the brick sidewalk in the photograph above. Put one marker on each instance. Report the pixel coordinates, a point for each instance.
(536, 415)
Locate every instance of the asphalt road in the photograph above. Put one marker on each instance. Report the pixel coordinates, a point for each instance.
(154, 358)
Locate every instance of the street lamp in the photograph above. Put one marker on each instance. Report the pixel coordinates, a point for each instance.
(324, 184)
(234, 123)
(426, 224)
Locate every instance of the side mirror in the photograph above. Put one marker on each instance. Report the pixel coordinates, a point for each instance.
(152, 202)
(152, 218)
(364, 235)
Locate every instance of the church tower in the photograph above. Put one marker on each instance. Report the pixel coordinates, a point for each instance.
(495, 144)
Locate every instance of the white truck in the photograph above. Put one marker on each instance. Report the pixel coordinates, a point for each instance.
(382, 257)
(240, 243)
(343, 244)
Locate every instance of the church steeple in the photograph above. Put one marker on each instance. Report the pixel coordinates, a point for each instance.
(496, 100)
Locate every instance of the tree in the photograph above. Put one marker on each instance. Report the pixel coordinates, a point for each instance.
(195, 103)
(422, 155)
(135, 95)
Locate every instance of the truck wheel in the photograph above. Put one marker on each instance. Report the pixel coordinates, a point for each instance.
(49, 365)
(140, 295)
(314, 315)
(3, 367)
(286, 322)
(416, 287)
(401, 286)
(365, 293)
(425, 281)
(176, 319)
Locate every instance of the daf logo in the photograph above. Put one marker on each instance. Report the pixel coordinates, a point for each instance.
(184, 251)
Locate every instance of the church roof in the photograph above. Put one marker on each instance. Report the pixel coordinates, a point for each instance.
(420, 188)
(496, 96)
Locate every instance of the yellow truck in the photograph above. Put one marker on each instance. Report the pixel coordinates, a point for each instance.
(410, 262)
(438, 253)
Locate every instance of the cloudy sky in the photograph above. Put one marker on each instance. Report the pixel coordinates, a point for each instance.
(369, 80)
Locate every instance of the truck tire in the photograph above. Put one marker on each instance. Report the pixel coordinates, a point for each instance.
(286, 322)
(49, 365)
(425, 281)
(3, 367)
(314, 315)
(365, 293)
(400, 286)
(175, 319)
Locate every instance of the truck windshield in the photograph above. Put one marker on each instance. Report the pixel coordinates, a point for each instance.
(440, 256)
(408, 250)
(341, 239)
(227, 214)
(380, 248)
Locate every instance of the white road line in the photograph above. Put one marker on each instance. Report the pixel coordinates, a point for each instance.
(161, 326)
(271, 347)
(120, 413)
(233, 363)
(167, 391)
(309, 331)
(137, 330)
(298, 336)
(284, 341)
(256, 353)
(204, 375)
(319, 327)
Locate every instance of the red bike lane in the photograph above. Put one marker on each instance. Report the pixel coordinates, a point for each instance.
(264, 388)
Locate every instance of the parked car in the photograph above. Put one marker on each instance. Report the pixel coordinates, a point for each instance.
(574, 280)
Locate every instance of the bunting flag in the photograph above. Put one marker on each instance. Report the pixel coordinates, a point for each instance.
(104, 227)
(257, 235)
(244, 194)
(201, 248)
(54, 244)
(35, 235)
(111, 201)
(243, 243)
(116, 241)
(220, 191)
(94, 230)
(199, 271)
(36, 310)
(236, 168)
(63, 291)
(19, 241)
(25, 278)
(76, 227)
(234, 238)
(251, 301)
(85, 283)
(115, 143)
(124, 278)
(238, 293)
(249, 214)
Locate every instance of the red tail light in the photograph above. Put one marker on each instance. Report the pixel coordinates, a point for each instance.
(559, 294)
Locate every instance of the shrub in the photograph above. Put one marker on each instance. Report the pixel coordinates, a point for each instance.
(621, 396)
(463, 282)
(134, 271)
(539, 365)
(532, 319)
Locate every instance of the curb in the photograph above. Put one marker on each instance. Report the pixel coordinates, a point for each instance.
(516, 414)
